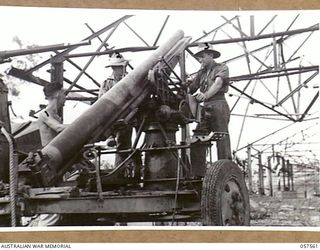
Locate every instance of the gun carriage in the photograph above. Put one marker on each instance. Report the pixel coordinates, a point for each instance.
(160, 180)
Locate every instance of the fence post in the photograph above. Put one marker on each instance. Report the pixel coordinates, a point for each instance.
(249, 168)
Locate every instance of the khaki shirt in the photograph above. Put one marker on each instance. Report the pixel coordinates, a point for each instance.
(205, 78)
(107, 85)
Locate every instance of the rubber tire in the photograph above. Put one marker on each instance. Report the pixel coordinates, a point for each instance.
(216, 177)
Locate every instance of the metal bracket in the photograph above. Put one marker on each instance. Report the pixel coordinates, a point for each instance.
(213, 136)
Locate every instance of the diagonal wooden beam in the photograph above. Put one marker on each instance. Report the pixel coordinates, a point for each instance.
(309, 106)
(21, 74)
(267, 25)
(261, 103)
(92, 58)
(245, 116)
(161, 30)
(211, 31)
(266, 136)
(235, 27)
(247, 51)
(65, 52)
(247, 85)
(134, 32)
(271, 35)
(79, 68)
(275, 73)
(92, 31)
(245, 46)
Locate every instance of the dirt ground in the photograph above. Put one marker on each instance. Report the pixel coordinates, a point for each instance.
(289, 212)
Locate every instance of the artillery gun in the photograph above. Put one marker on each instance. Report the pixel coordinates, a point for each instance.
(160, 180)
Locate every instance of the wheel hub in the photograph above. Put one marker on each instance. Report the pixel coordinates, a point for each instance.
(232, 205)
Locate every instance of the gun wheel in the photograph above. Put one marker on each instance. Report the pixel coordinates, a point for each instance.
(225, 199)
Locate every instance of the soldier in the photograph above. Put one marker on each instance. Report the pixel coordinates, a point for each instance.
(50, 121)
(209, 86)
(118, 64)
(50, 124)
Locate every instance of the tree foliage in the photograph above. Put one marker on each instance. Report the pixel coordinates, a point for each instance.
(24, 62)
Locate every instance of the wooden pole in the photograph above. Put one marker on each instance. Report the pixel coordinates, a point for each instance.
(249, 168)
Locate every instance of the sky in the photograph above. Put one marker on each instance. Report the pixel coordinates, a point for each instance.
(47, 26)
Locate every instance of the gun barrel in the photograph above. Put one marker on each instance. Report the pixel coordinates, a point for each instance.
(125, 96)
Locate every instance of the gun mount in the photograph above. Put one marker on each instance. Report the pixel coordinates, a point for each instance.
(158, 181)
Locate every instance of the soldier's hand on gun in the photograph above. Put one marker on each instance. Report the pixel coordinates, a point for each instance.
(200, 97)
